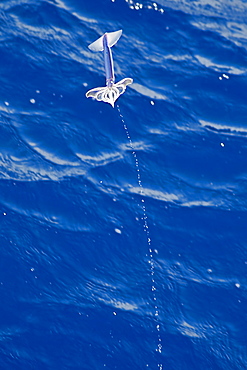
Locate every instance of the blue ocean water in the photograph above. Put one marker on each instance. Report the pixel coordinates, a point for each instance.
(80, 285)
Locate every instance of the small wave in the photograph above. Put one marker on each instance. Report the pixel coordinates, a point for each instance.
(155, 194)
(120, 305)
(219, 67)
(143, 90)
(100, 160)
(224, 129)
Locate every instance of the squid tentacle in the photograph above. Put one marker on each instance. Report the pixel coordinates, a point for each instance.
(109, 94)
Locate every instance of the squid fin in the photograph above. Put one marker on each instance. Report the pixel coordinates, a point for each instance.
(112, 38)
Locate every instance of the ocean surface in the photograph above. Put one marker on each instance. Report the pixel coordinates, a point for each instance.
(123, 231)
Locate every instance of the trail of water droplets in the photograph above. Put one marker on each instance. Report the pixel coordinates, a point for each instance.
(151, 251)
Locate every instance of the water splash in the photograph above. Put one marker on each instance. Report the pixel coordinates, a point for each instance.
(151, 251)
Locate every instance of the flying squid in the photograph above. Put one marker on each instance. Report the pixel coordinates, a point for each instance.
(110, 92)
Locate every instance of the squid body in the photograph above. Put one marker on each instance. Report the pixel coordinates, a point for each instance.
(110, 92)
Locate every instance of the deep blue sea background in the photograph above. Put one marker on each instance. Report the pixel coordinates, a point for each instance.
(76, 283)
